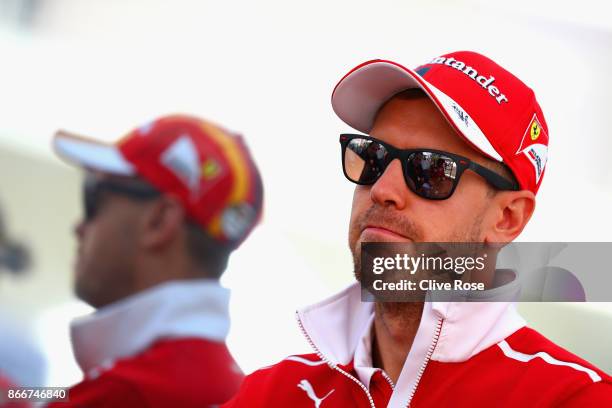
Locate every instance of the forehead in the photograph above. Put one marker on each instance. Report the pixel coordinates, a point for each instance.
(414, 122)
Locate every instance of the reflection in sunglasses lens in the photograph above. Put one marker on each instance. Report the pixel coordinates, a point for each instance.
(364, 160)
(431, 175)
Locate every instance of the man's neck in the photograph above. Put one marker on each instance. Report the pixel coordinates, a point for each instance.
(395, 326)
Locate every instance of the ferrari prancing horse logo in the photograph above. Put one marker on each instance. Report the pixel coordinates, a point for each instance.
(535, 147)
(535, 130)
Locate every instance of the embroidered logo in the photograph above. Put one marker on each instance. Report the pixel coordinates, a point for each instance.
(181, 158)
(472, 73)
(307, 388)
(535, 150)
(535, 129)
(210, 169)
(237, 219)
(461, 115)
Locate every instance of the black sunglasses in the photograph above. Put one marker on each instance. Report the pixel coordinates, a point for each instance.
(94, 189)
(431, 174)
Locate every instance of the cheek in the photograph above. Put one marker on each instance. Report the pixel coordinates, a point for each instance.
(92, 260)
(440, 224)
(97, 243)
(361, 203)
(453, 220)
(107, 239)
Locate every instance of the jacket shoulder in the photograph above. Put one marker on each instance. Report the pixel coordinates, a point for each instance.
(186, 371)
(559, 374)
(177, 372)
(593, 395)
(294, 365)
(264, 385)
(532, 348)
(524, 369)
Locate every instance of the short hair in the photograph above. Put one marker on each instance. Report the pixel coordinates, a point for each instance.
(208, 254)
(496, 166)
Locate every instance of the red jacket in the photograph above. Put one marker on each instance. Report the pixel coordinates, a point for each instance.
(170, 373)
(161, 348)
(474, 354)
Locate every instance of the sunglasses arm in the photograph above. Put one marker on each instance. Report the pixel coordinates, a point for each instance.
(492, 177)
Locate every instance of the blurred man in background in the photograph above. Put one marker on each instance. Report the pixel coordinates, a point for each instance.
(485, 141)
(163, 210)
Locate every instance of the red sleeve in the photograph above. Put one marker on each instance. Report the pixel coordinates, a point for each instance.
(251, 394)
(105, 392)
(598, 394)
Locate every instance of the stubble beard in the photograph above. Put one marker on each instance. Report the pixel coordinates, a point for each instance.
(406, 311)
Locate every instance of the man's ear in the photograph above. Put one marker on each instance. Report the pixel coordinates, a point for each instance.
(162, 222)
(509, 211)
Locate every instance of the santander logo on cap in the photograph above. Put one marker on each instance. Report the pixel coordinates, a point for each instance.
(489, 107)
(482, 80)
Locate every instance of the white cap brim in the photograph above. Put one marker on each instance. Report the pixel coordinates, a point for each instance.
(91, 154)
(358, 97)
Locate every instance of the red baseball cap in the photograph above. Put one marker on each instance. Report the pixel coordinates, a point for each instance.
(490, 108)
(208, 168)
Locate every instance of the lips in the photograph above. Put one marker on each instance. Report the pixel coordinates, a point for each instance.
(376, 233)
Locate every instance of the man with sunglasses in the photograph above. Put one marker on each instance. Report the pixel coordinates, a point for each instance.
(453, 151)
(163, 209)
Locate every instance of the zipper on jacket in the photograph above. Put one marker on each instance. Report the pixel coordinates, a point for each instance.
(332, 365)
(389, 380)
(430, 350)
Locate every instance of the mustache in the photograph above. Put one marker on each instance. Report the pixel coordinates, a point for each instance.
(391, 220)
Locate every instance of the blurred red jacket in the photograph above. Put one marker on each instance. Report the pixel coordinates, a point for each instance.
(160, 348)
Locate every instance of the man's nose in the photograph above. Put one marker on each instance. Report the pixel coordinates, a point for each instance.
(391, 189)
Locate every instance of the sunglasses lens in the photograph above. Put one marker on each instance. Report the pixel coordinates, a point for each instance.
(431, 175)
(364, 160)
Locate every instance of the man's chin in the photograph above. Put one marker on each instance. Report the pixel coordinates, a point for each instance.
(85, 293)
(81, 293)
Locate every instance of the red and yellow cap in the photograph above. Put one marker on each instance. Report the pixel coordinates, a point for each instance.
(207, 167)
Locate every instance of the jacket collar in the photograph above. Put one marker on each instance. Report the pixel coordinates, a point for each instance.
(190, 308)
(336, 325)
(448, 332)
